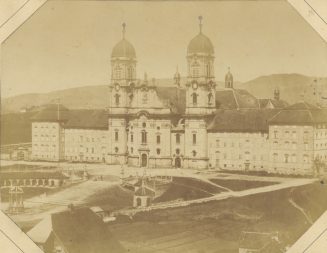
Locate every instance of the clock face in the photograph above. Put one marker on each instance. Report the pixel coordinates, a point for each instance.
(117, 87)
(194, 85)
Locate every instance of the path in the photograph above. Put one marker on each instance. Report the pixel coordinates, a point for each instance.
(221, 196)
(39, 207)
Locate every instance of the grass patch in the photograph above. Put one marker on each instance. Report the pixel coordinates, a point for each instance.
(183, 188)
(240, 185)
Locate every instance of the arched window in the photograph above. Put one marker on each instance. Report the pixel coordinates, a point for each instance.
(118, 72)
(194, 98)
(116, 149)
(196, 71)
(210, 96)
(144, 137)
(117, 99)
(286, 156)
(178, 138)
(208, 70)
(129, 72)
(177, 151)
(116, 135)
(194, 139)
(194, 153)
(158, 151)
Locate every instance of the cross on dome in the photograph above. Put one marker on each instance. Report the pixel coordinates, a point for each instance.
(200, 23)
(124, 29)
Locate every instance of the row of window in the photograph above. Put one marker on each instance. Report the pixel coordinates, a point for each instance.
(287, 158)
(144, 135)
(247, 142)
(288, 134)
(195, 98)
(45, 127)
(241, 156)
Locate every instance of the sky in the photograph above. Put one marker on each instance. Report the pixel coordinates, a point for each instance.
(67, 44)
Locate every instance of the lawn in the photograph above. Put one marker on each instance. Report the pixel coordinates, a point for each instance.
(240, 185)
(113, 198)
(183, 188)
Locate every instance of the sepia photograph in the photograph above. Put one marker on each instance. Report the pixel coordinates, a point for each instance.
(164, 127)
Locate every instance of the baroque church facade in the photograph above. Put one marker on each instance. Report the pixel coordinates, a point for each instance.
(194, 124)
(146, 129)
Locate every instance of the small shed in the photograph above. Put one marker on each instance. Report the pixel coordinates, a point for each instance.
(143, 196)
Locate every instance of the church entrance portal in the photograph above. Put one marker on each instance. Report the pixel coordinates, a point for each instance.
(177, 162)
(144, 160)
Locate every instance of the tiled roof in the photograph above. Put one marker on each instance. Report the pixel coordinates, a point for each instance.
(244, 120)
(300, 114)
(144, 191)
(176, 97)
(302, 106)
(277, 104)
(93, 119)
(236, 99)
(225, 99)
(82, 118)
(82, 231)
(52, 113)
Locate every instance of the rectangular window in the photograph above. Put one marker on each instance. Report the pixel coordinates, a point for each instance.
(116, 136)
(194, 139)
(132, 137)
(158, 139)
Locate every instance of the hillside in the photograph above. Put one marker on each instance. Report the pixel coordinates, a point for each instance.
(291, 86)
(96, 97)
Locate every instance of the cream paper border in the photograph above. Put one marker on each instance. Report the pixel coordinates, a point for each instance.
(14, 13)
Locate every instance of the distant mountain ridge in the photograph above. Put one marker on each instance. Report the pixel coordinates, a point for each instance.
(291, 86)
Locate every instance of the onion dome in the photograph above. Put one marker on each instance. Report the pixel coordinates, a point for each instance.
(123, 48)
(200, 44)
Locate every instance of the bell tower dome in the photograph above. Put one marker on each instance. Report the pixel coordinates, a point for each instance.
(200, 86)
(123, 61)
(123, 74)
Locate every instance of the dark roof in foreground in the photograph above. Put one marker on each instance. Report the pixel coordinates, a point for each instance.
(82, 231)
(245, 120)
(300, 114)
